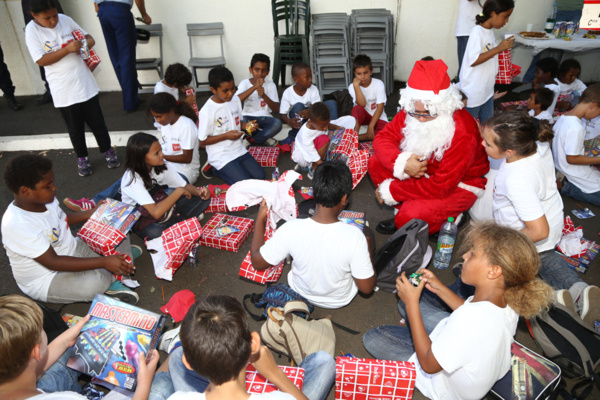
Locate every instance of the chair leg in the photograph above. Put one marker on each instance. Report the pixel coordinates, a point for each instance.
(276, 65)
(283, 68)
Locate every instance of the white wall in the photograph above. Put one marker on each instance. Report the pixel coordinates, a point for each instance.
(423, 27)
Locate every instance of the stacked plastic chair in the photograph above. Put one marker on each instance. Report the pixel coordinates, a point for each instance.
(331, 43)
(291, 44)
(373, 35)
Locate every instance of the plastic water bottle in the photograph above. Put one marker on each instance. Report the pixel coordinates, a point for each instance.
(446, 240)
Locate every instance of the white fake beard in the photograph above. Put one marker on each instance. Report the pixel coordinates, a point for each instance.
(429, 137)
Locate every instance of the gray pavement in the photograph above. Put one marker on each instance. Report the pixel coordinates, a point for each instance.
(217, 270)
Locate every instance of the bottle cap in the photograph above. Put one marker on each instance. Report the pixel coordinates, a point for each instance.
(450, 219)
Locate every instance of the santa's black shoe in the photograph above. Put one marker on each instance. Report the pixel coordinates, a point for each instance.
(387, 227)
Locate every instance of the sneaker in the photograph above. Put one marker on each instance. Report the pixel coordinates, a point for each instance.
(588, 305)
(83, 204)
(457, 269)
(169, 340)
(83, 166)
(270, 142)
(288, 140)
(310, 173)
(200, 217)
(298, 168)
(565, 298)
(111, 159)
(136, 251)
(91, 392)
(121, 292)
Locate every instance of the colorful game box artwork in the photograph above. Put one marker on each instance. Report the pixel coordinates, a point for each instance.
(110, 342)
(353, 218)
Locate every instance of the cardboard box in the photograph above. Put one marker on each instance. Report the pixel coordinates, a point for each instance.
(230, 242)
(266, 156)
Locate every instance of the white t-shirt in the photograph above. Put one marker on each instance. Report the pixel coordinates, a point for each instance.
(472, 346)
(290, 97)
(254, 105)
(326, 258)
(216, 119)
(374, 94)
(478, 82)
(555, 90)
(544, 115)
(161, 87)
(70, 79)
(182, 135)
(58, 396)
(465, 21)
(568, 141)
(27, 235)
(568, 88)
(134, 192)
(276, 395)
(525, 190)
(304, 152)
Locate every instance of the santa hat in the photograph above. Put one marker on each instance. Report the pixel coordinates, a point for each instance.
(427, 80)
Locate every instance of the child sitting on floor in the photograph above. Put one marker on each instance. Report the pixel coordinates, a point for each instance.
(217, 345)
(566, 83)
(260, 98)
(177, 80)
(539, 101)
(297, 98)
(368, 95)
(48, 263)
(582, 180)
(545, 72)
(221, 131)
(331, 261)
(32, 368)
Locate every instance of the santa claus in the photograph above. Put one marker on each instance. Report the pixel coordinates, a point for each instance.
(429, 162)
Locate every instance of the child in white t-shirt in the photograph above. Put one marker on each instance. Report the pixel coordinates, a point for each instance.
(177, 82)
(297, 98)
(538, 103)
(50, 41)
(480, 62)
(260, 98)
(368, 95)
(460, 354)
(526, 199)
(566, 83)
(48, 263)
(221, 131)
(465, 21)
(331, 261)
(582, 179)
(179, 135)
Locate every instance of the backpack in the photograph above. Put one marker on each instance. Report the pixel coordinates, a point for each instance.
(275, 296)
(404, 251)
(571, 343)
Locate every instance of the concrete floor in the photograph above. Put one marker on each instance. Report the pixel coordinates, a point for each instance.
(217, 270)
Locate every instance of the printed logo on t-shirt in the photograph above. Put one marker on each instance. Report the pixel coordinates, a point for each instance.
(487, 47)
(176, 147)
(53, 237)
(263, 103)
(49, 46)
(373, 106)
(221, 121)
(237, 120)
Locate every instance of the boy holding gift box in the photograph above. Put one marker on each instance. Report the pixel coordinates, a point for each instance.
(74, 91)
(331, 261)
(48, 263)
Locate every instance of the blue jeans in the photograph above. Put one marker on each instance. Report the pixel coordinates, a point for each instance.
(570, 190)
(461, 46)
(556, 272)
(187, 208)
(484, 111)
(296, 108)
(242, 168)
(394, 342)
(268, 127)
(109, 192)
(319, 375)
(59, 377)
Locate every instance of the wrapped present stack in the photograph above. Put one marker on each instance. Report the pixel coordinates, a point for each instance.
(226, 232)
(266, 156)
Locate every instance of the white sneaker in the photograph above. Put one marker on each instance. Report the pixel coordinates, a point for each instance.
(565, 298)
(169, 340)
(270, 142)
(588, 304)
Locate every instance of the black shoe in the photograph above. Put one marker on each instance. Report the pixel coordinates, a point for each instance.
(387, 227)
(12, 102)
(44, 99)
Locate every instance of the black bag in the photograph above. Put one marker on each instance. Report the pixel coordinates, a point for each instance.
(158, 194)
(571, 343)
(54, 325)
(404, 251)
(275, 296)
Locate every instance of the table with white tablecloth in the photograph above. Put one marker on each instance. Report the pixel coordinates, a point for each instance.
(577, 44)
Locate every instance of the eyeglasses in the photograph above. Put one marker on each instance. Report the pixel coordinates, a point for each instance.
(425, 115)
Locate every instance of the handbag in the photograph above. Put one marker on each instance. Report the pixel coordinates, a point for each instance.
(295, 336)
(275, 296)
(158, 194)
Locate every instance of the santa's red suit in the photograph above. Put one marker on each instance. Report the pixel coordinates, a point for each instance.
(451, 185)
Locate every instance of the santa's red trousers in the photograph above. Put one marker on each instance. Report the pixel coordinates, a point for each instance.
(434, 211)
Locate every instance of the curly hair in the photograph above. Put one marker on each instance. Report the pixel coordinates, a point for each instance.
(25, 170)
(516, 254)
(178, 75)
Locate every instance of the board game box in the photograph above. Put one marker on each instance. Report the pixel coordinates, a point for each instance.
(110, 342)
(353, 218)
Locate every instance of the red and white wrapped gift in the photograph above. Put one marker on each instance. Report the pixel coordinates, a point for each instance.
(93, 60)
(266, 156)
(346, 149)
(230, 242)
(256, 383)
(522, 104)
(108, 226)
(367, 146)
(218, 202)
(572, 243)
(173, 246)
(192, 92)
(366, 379)
(270, 274)
(506, 69)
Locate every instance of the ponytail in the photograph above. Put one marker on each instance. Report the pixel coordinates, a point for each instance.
(163, 103)
(518, 131)
(490, 6)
